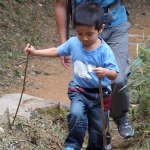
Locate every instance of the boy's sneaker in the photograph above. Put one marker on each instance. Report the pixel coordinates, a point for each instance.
(109, 146)
(125, 128)
(67, 148)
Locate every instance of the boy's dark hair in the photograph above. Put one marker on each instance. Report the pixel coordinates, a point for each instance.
(88, 14)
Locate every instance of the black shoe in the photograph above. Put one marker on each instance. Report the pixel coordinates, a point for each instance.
(125, 128)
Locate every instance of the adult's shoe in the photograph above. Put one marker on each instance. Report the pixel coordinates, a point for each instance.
(125, 128)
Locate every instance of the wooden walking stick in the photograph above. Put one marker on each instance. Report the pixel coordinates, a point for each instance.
(25, 72)
(102, 111)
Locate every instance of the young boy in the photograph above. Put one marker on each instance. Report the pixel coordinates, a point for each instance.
(91, 58)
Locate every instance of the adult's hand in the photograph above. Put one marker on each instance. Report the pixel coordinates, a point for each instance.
(66, 61)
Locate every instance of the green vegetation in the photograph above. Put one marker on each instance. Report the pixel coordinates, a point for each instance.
(139, 85)
(39, 133)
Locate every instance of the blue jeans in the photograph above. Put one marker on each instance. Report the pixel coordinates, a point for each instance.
(85, 114)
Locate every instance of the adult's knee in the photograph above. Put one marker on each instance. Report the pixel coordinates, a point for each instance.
(119, 81)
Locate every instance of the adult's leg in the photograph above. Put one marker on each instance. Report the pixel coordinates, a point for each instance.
(117, 39)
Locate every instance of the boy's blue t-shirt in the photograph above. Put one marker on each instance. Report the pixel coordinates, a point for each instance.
(84, 61)
(119, 14)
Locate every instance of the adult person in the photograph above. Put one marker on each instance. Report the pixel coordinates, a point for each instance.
(116, 36)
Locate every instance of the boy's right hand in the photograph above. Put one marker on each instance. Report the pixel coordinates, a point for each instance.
(29, 50)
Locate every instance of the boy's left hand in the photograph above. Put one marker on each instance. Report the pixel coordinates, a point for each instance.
(100, 72)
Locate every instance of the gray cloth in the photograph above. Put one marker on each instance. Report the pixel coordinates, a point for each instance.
(117, 38)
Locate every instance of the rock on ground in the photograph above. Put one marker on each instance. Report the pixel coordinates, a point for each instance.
(28, 104)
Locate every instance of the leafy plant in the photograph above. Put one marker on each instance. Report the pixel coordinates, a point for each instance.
(140, 80)
(139, 88)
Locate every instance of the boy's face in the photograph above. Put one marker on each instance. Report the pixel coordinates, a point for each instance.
(87, 34)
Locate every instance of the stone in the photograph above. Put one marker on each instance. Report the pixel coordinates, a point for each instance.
(5, 122)
(27, 106)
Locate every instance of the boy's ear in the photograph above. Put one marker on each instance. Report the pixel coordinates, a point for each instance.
(102, 28)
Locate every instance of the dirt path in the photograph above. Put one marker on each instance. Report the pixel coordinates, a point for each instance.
(54, 86)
